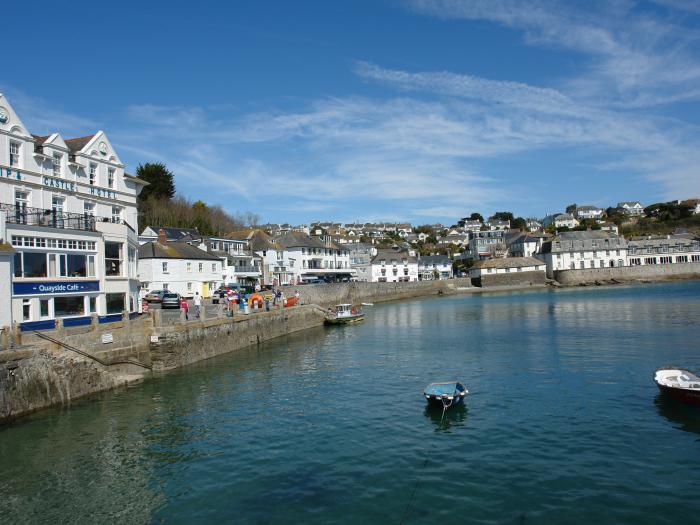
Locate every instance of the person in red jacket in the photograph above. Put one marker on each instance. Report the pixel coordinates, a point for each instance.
(185, 308)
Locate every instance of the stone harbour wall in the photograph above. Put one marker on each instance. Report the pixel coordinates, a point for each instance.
(656, 272)
(519, 279)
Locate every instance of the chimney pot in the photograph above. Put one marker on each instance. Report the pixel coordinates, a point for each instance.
(162, 238)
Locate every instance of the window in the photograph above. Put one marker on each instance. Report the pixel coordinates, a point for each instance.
(110, 177)
(65, 306)
(44, 308)
(57, 161)
(116, 214)
(33, 264)
(93, 174)
(21, 204)
(113, 258)
(213, 267)
(14, 153)
(189, 266)
(57, 209)
(77, 265)
(201, 267)
(189, 287)
(116, 303)
(26, 309)
(92, 306)
(165, 269)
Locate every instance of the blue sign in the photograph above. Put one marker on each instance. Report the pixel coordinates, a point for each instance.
(55, 288)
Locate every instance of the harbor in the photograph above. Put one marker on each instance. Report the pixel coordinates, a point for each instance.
(332, 422)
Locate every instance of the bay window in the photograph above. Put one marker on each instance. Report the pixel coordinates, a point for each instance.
(113, 258)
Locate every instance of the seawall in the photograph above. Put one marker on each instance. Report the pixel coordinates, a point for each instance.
(657, 272)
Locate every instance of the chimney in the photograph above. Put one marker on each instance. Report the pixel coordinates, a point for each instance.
(162, 239)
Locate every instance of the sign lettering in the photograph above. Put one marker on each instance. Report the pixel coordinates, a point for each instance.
(8, 173)
(54, 288)
(58, 183)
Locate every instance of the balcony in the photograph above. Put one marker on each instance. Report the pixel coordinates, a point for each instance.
(55, 219)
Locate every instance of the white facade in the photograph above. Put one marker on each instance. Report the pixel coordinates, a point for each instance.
(663, 250)
(508, 265)
(584, 250)
(70, 214)
(389, 266)
(632, 208)
(433, 267)
(184, 275)
(562, 220)
(589, 212)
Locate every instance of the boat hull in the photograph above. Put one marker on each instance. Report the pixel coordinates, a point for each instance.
(345, 320)
(683, 395)
(435, 401)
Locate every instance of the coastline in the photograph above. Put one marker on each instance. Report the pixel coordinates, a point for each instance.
(42, 374)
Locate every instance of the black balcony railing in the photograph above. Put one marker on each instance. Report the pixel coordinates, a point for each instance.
(53, 218)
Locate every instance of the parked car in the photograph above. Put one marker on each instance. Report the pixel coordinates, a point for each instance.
(155, 296)
(171, 300)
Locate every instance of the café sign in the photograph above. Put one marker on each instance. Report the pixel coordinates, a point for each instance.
(55, 287)
(7, 173)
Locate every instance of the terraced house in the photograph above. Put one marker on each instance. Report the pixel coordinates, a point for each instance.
(68, 210)
(663, 249)
(579, 250)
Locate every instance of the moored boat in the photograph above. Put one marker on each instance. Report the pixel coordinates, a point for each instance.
(344, 314)
(445, 394)
(679, 384)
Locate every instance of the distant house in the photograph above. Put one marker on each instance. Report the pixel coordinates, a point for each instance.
(525, 244)
(508, 271)
(470, 225)
(589, 212)
(178, 267)
(631, 208)
(533, 225)
(561, 220)
(391, 266)
(487, 244)
(150, 233)
(361, 260)
(434, 266)
(693, 205)
(609, 227)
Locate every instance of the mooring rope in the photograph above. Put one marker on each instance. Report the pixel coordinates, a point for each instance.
(413, 493)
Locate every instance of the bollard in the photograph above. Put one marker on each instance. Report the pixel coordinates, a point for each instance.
(202, 313)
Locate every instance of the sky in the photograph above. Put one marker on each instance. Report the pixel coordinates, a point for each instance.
(375, 110)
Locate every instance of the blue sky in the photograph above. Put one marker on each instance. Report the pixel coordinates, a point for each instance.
(410, 110)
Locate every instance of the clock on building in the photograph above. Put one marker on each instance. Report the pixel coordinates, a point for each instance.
(103, 148)
(4, 115)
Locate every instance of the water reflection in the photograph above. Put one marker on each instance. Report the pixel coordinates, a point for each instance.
(683, 417)
(452, 418)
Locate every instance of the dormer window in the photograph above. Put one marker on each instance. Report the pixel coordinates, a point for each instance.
(110, 178)
(93, 174)
(57, 161)
(14, 153)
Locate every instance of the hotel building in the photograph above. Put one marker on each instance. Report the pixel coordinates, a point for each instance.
(69, 212)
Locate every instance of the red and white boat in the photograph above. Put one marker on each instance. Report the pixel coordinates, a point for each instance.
(679, 384)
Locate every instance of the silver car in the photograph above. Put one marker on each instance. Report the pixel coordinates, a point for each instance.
(171, 300)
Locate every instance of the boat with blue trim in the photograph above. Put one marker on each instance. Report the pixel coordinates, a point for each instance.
(445, 394)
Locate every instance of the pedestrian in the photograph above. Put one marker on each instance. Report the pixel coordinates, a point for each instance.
(197, 304)
(297, 295)
(185, 308)
(267, 304)
(222, 294)
(274, 297)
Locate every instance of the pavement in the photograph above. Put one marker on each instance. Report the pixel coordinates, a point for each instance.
(173, 314)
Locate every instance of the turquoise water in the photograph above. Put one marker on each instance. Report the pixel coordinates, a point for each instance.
(563, 423)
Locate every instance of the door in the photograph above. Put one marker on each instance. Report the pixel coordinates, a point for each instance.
(205, 289)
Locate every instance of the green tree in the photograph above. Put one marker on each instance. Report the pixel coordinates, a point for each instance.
(161, 184)
(571, 208)
(519, 223)
(476, 217)
(501, 216)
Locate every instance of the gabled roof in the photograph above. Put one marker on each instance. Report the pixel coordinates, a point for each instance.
(388, 255)
(173, 250)
(174, 234)
(434, 259)
(294, 239)
(77, 144)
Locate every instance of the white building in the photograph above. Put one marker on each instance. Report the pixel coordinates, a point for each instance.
(589, 212)
(632, 208)
(584, 249)
(311, 258)
(561, 220)
(525, 245)
(391, 266)
(506, 265)
(361, 260)
(487, 244)
(663, 249)
(70, 214)
(431, 267)
(150, 233)
(178, 267)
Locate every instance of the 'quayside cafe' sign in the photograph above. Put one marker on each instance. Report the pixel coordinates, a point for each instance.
(55, 288)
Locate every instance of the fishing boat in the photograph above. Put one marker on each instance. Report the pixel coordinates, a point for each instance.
(445, 394)
(679, 384)
(367, 304)
(344, 314)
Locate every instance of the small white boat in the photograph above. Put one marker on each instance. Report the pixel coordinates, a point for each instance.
(367, 304)
(679, 384)
(344, 314)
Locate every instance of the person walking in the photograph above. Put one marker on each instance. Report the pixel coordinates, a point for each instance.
(297, 295)
(197, 304)
(185, 308)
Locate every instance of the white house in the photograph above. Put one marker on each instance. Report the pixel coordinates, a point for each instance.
(589, 212)
(391, 266)
(487, 244)
(525, 245)
(178, 267)
(561, 220)
(584, 249)
(69, 211)
(632, 208)
(432, 267)
(312, 258)
(361, 260)
(663, 249)
(506, 265)
(150, 233)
